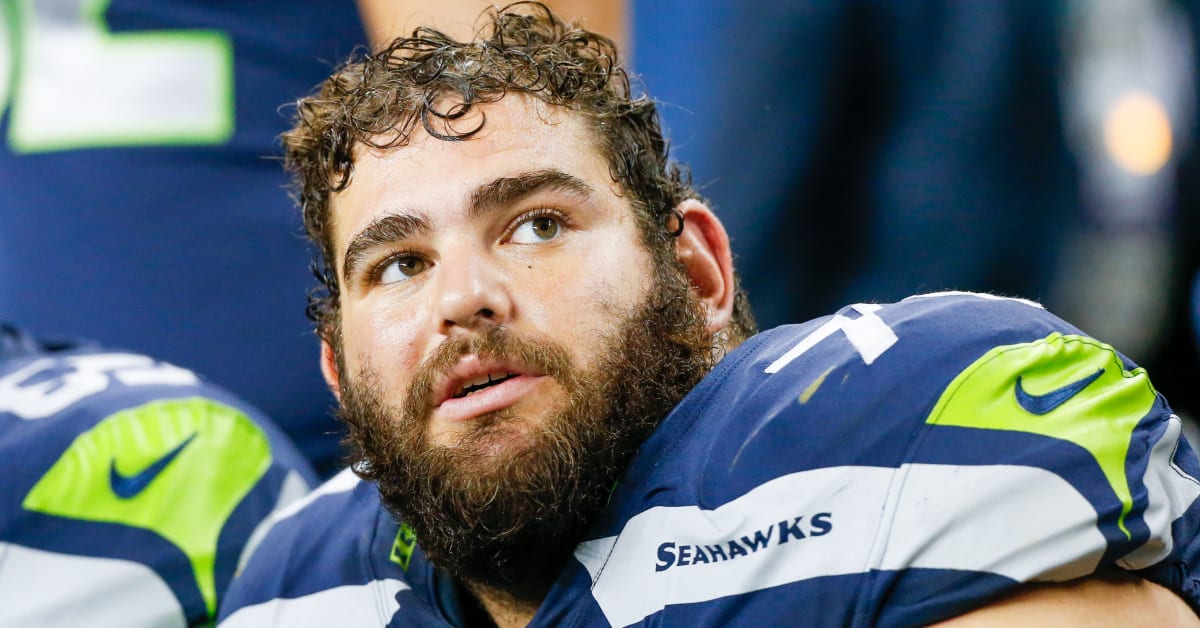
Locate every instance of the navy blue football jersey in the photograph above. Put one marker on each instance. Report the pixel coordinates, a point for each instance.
(143, 203)
(131, 487)
(891, 465)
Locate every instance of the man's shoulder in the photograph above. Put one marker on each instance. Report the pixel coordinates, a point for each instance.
(898, 464)
(867, 369)
(949, 327)
(333, 557)
(938, 378)
(339, 521)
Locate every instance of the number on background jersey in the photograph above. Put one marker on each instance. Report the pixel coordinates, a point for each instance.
(68, 82)
(30, 393)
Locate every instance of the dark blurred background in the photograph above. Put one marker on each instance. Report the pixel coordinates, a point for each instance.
(864, 150)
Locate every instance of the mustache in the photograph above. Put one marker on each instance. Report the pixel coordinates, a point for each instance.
(493, 343)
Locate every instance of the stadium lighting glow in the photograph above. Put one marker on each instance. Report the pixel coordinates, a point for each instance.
(1137, 133)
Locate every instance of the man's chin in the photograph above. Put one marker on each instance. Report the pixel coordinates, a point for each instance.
(488, 437)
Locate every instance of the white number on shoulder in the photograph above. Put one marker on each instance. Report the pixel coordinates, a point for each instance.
(868, 333)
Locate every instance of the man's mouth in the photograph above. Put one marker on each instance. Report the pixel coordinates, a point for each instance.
(484, 393)
(481, 382)
(477, 385)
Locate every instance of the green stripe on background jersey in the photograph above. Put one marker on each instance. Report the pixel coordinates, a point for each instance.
(183, 465)
(142, 88)
(1100, 416)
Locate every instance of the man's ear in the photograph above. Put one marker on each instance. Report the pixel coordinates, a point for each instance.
(330, 370)
(703, 248)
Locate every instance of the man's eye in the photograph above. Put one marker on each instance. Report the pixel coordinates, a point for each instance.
(537, 229)
(401, 269)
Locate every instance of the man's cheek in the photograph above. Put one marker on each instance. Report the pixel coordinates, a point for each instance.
(382, 339)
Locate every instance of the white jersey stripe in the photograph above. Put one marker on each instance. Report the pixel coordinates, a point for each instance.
(294, 488)
(1020, 519)
(36, 583)
(827, 521)
(293, 498)
(371, 604)
(1172, 491)
(344, 481)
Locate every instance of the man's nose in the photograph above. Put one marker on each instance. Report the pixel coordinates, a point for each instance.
(472, 294)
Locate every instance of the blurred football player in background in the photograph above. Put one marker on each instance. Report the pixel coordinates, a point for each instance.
(131, 487)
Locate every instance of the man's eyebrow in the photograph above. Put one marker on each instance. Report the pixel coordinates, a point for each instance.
(508, 190)
(494, 194)
(382, 230)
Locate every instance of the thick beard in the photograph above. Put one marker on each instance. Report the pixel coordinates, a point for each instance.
(508, 522)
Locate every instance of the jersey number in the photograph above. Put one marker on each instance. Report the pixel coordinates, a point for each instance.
(34, 392)
(869, 335)
(68, 82)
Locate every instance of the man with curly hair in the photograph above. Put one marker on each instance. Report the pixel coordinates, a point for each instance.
(563, 414)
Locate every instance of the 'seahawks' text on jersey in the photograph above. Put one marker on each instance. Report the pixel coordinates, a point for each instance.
(131, 487)
(891, 465)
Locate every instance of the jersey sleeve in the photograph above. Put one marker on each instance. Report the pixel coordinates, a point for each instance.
(898, 465)
(1043, 460)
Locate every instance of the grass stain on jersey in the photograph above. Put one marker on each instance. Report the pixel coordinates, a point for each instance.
(187, 501)
(1099, 417)
(816, 384)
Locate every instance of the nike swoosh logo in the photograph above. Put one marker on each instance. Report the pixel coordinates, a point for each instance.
(1045, 404)
(129, 486)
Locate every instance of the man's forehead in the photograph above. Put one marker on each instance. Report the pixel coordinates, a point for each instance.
(516, 133)
(513, 118)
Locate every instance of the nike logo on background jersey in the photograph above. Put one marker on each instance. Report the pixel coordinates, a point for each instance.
(129, 486)
(1045, 404)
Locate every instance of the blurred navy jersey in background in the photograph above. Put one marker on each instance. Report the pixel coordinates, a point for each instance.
(142, 202)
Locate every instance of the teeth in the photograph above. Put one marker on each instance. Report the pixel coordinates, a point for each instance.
(470, 386)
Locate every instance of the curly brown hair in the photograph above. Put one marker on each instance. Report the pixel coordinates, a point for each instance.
(431, 79)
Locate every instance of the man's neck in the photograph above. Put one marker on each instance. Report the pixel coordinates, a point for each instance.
(503, 609)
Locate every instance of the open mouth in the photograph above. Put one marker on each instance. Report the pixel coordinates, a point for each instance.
(479, 383)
